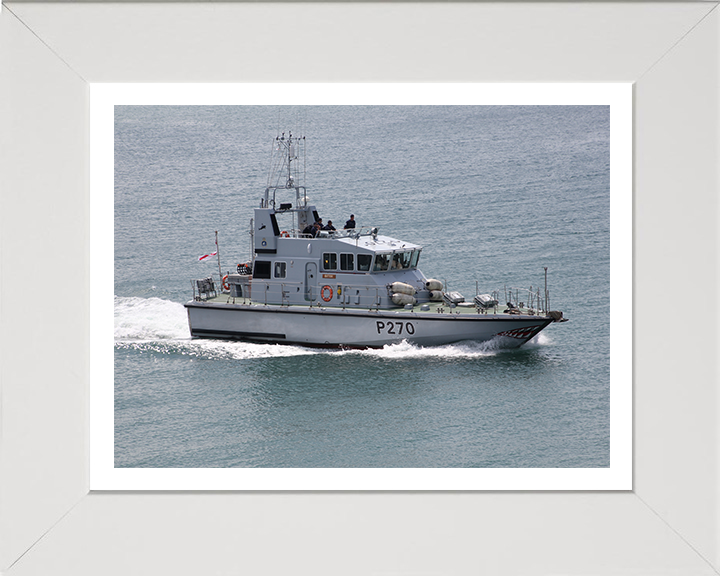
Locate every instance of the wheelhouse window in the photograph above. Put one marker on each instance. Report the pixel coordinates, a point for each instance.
(382, 262)
(280, 269)
(262, 269)
(402, 260)
(347, 262)
(363, 262)
(414, 258)
(329, 261)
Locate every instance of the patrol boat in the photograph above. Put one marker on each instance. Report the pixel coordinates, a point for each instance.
(350, 288)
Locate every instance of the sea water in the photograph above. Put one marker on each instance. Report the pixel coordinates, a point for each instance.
(493, 193)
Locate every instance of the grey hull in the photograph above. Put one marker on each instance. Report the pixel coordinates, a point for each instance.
(328, 327)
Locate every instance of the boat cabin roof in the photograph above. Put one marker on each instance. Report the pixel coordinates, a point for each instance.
(377, 243)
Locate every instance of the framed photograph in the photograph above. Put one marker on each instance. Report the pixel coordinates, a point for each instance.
(483, 440)
(80, 488)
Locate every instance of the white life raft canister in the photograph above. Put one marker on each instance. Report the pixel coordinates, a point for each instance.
(402, 288)
(402, 299)
(433, 285)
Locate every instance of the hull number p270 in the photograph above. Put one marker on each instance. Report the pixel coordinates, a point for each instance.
(396, 328)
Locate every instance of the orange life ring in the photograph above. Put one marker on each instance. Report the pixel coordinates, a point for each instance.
(284, 234)
(322, 293)
(225, 285)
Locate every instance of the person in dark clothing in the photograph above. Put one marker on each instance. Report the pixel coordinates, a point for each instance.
(329, 226)
(312, 229)
(350, 223)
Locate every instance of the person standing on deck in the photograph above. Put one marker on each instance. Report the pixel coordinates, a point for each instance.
(350, 223)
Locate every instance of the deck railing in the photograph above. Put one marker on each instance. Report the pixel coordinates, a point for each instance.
(297, 293)
(347, 295)
(334, 234)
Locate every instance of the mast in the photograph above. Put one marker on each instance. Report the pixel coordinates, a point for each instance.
(287, 172)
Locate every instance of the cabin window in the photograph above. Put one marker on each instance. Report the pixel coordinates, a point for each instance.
(414, 259)
(347, 262)
(364, 261)
(382, 261)
(280, 269)
(262, 269)
(403, 260)
(397, 262)
(329, 261)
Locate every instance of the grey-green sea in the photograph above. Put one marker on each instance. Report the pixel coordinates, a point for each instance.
(493, 194)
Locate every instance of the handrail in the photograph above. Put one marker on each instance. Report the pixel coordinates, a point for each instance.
(367, 296)
(335, 234)
(274, 292)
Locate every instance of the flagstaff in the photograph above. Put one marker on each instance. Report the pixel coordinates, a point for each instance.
(217, 251)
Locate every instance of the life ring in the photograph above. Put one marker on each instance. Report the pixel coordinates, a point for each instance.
(284, 234)
(225, 285)
(329, 296)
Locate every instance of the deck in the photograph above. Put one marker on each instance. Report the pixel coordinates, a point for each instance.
(466, 308)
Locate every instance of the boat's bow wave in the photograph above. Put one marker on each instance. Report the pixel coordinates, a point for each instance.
(464, 349)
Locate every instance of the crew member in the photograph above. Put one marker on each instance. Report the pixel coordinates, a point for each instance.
(350, 223)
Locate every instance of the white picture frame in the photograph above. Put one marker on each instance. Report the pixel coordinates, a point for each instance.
(667, 524)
